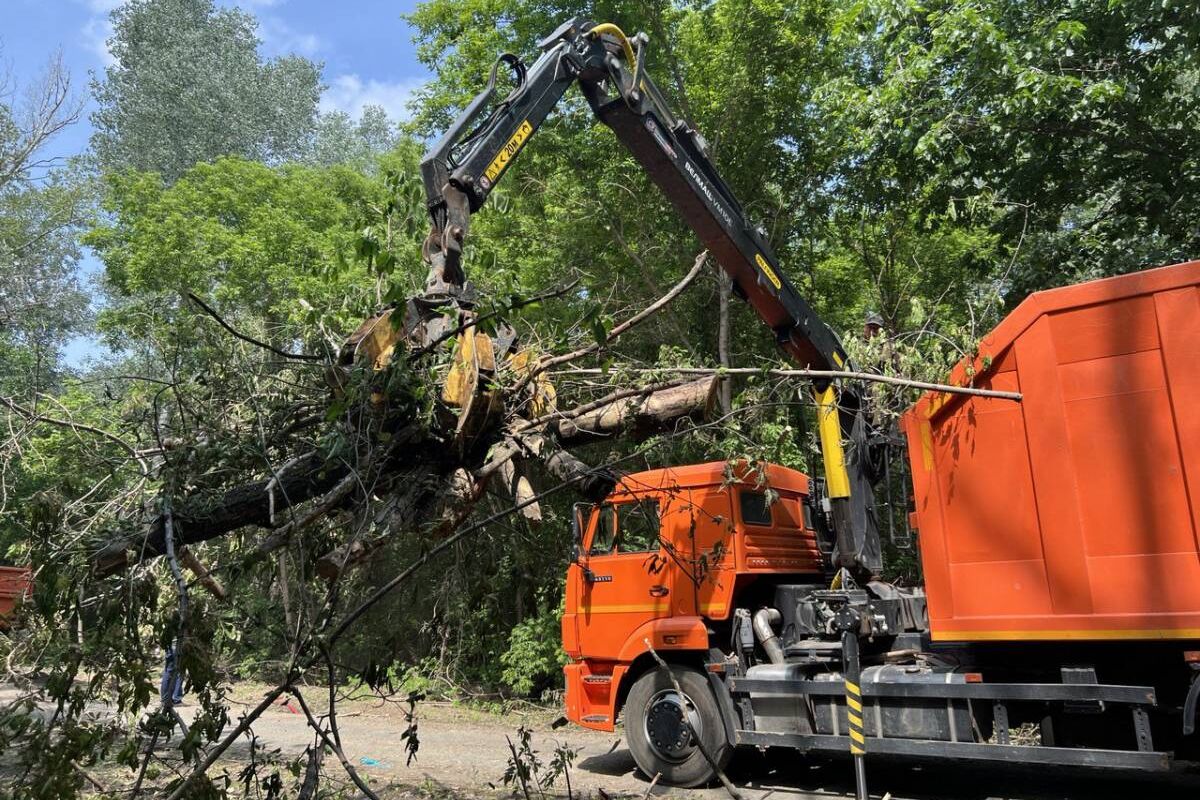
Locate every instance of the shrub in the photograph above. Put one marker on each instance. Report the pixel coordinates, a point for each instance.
(534, 659)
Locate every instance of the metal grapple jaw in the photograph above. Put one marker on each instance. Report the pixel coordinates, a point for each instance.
(442, 250)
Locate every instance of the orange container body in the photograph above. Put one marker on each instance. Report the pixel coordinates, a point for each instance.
(1075, 513)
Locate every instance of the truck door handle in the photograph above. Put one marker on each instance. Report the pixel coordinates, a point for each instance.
(659, 591)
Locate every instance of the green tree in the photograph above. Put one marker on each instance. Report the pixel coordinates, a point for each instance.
(339, 139)
(188, 85)
(42, 207)
(270, 246)
(41, 300)
(1071, 125)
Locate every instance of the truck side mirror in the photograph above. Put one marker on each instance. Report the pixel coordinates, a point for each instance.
(579, 515)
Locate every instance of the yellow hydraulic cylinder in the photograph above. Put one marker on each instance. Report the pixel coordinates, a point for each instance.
(829, 428)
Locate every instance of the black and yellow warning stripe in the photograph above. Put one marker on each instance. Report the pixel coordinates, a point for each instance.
(854, 710)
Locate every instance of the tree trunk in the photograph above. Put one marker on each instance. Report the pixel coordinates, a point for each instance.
(725, 287)
(248, 504)
(638, 417)
(410, 467)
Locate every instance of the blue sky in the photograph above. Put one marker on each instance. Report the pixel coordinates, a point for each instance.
(365, 46)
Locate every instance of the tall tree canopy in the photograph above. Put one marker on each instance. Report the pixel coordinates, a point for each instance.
(901, 154)
(188, 85)
(1074, 123)
(42, 211)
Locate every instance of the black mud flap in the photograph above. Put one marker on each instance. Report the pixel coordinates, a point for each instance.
(725, 706)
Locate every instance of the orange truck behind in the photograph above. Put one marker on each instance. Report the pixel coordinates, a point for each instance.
(15, 583)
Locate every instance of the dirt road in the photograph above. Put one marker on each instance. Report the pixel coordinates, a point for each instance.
(466, 751)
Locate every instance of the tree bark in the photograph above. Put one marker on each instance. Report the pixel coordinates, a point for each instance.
(247, 504)
(636, 416)
(724, 288)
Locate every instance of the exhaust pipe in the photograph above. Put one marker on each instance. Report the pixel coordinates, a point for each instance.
(763, 621)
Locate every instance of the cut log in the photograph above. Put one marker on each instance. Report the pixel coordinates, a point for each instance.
(638, 417)
(517, 486)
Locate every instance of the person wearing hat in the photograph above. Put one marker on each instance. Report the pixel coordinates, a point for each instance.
(872, 326)
(883, 406)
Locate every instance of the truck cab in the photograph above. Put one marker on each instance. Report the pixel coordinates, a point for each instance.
(662, 563)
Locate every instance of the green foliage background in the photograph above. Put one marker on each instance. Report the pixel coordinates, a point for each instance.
(932, 161)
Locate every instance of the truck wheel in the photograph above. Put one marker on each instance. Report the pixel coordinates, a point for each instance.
(659, 739)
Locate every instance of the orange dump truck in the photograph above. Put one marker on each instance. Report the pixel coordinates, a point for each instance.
(15, 583)
(1060, 545)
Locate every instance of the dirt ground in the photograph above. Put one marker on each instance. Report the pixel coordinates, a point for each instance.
(464, 752)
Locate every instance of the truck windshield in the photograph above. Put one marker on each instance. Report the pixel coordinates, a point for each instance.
(630, 527)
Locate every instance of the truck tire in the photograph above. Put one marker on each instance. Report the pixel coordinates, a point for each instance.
(657, 737)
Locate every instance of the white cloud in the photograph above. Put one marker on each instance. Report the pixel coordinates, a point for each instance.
(96, 31)
(279, 38)
(350, 93)
(95, 34)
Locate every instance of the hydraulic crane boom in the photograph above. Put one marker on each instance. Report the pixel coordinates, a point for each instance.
(461, 170)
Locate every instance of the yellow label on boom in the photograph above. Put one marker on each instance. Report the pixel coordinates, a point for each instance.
(511, 148)
(766, 270)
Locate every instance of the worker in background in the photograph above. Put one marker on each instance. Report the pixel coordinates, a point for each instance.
(171, 688)
(872, 326)
(882, 358)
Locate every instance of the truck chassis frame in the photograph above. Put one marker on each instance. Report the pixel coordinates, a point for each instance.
(998, 694)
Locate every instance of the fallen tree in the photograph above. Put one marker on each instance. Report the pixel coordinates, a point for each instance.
(495, 409)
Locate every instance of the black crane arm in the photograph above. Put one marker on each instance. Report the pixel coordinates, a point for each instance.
(464, 166)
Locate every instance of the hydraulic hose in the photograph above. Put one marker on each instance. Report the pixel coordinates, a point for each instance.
(618, 34)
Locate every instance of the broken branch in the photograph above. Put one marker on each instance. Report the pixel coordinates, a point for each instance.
(616, 332)
(247, 504)
(250, 339)
(640, 417)
(871, 377)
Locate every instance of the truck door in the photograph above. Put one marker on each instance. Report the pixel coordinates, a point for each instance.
(630, 575)
(713, 552)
